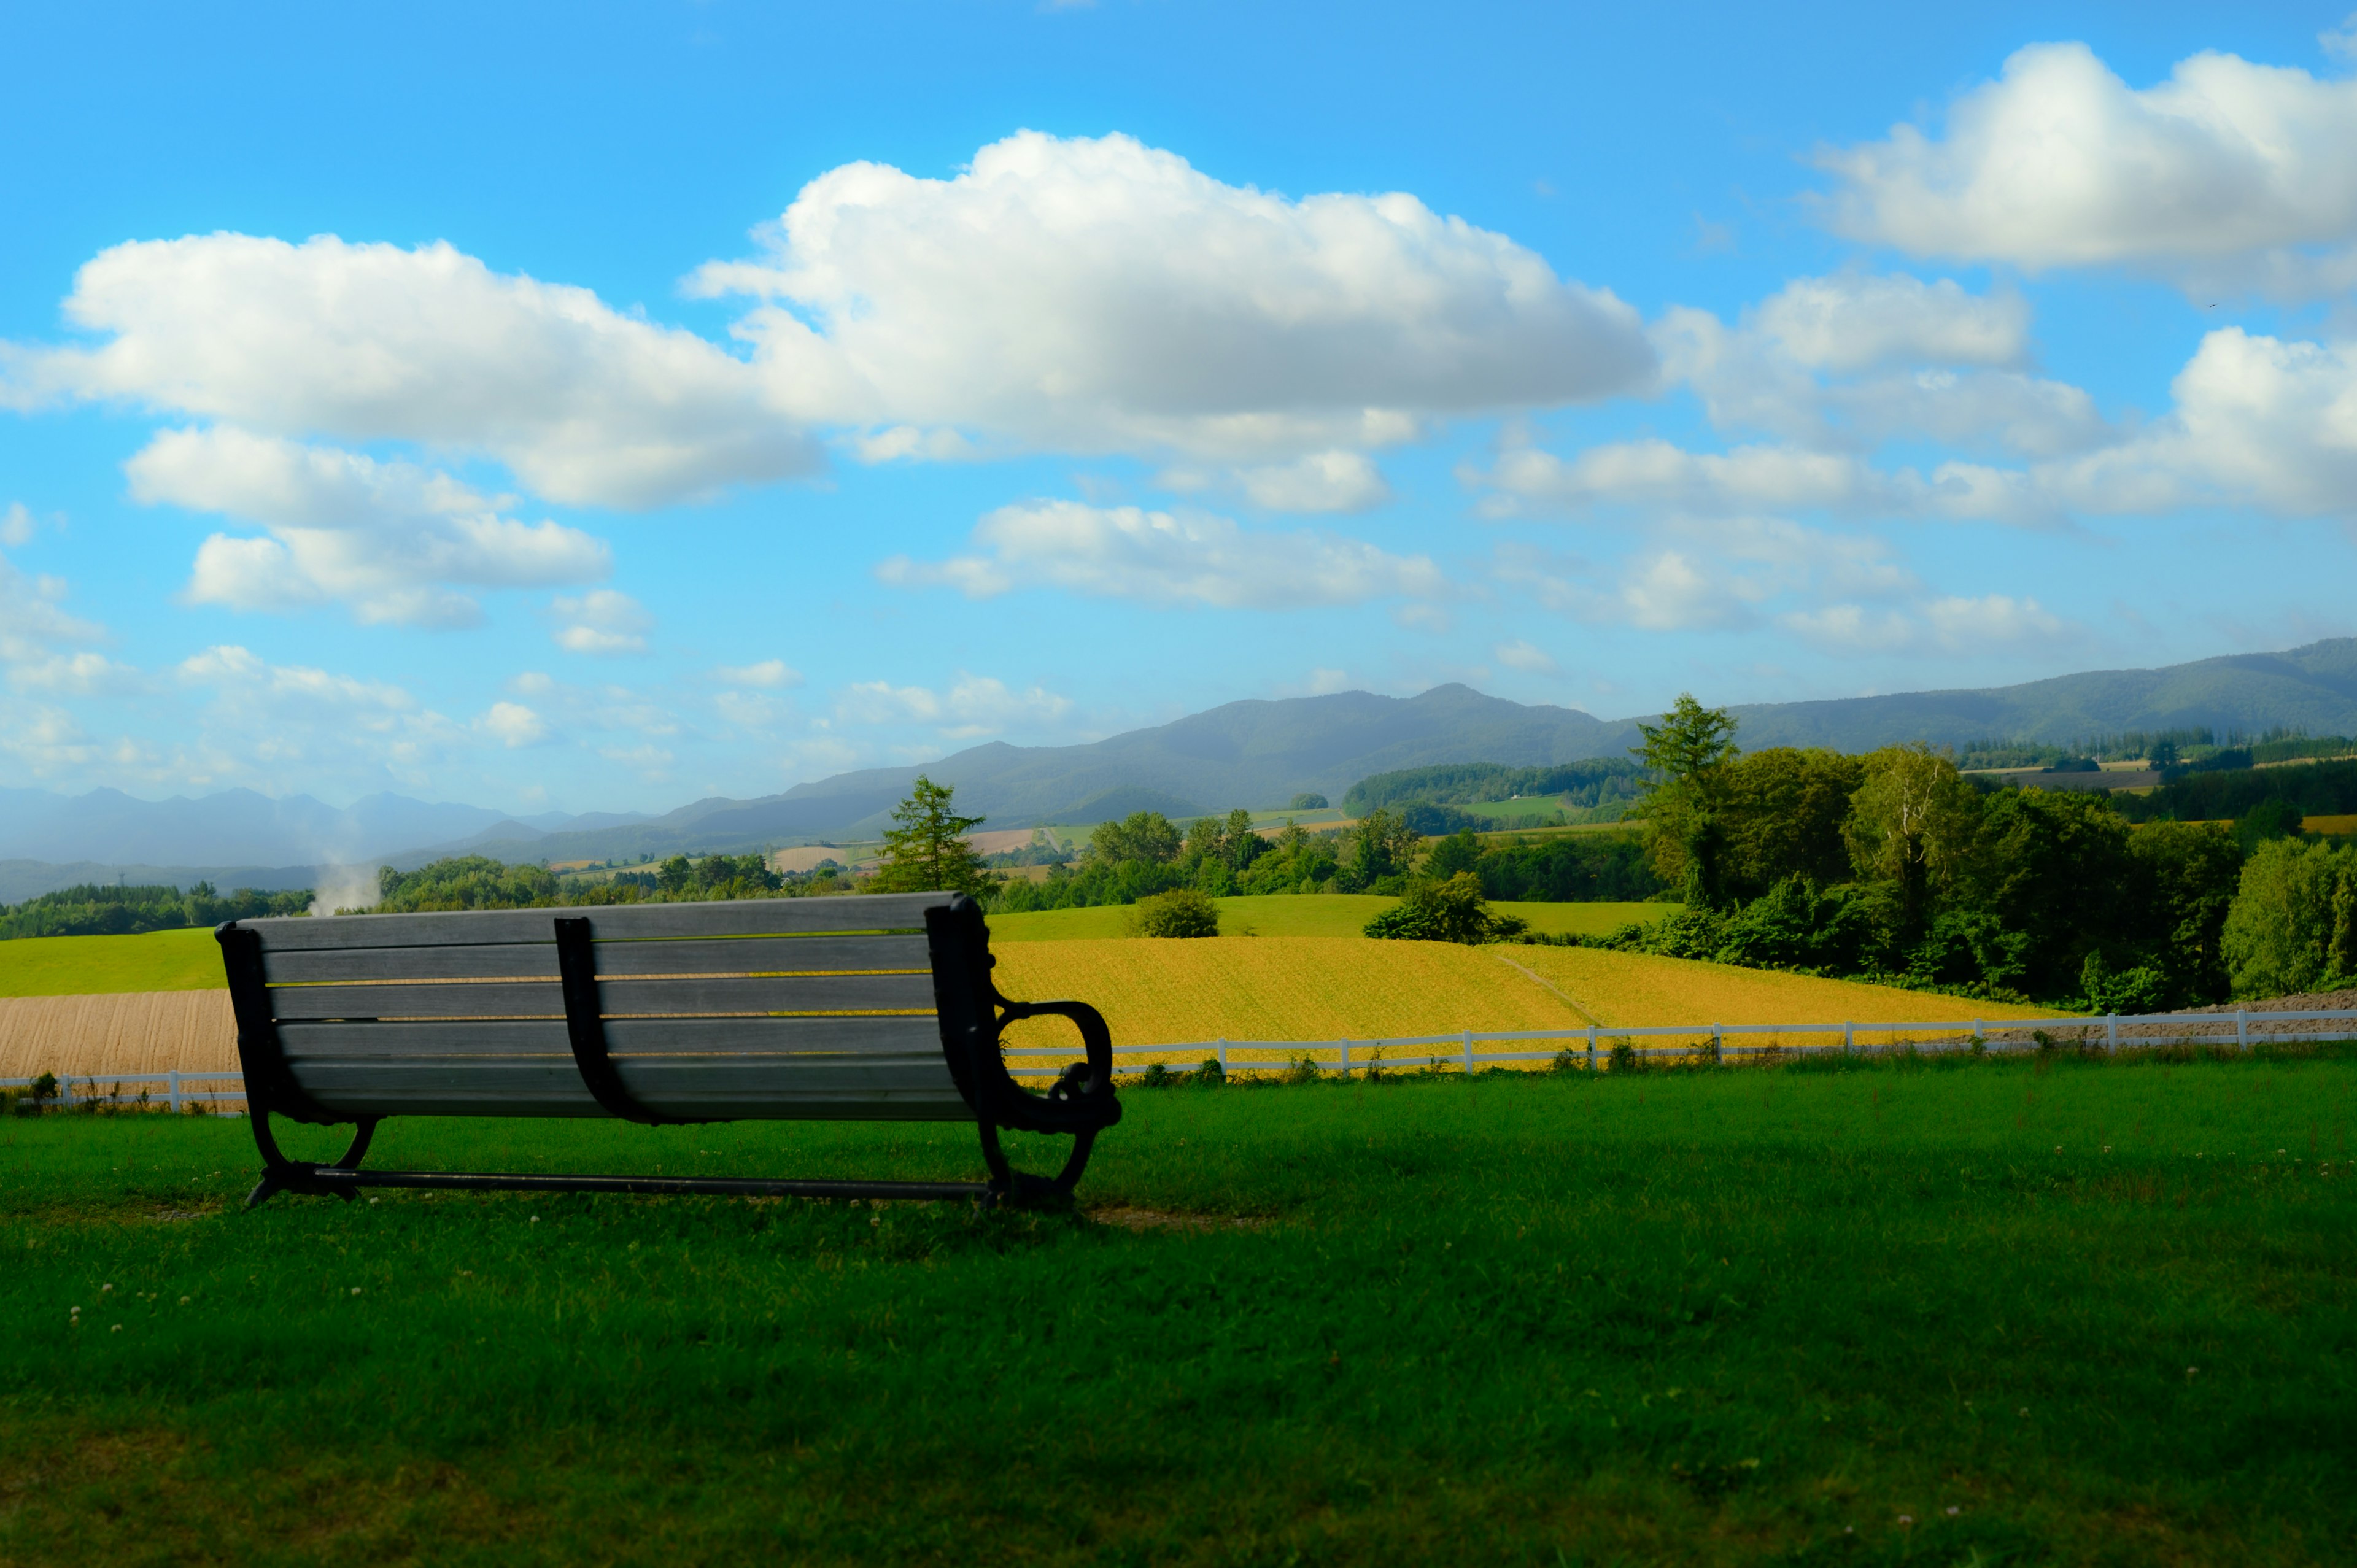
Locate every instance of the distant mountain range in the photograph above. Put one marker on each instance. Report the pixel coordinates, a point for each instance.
(1254, 753)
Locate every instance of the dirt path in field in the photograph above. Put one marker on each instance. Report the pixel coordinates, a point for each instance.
(1533, 975)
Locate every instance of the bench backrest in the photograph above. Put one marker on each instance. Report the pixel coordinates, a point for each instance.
(741, 1010)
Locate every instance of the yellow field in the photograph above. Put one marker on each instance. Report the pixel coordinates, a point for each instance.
(84, 966)
(1327, 988)
(1306, 915)
(2344, 823)
(1275, 988)
(1639, 988)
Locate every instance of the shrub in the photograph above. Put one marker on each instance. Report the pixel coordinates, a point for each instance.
(1210, 1075)
(1449, 911)
(1181, 912)
(1307, 800)
(2142, 989)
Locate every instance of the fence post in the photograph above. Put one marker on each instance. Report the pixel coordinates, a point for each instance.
(1717, 1050)
(1591, 1047)
(2242, 1029)
(1849, 1043)
(2111, 1031)
(1976, 1029)
(1469, 1051)
(173, 1078)
(1224, 1056)
(1346, 1055)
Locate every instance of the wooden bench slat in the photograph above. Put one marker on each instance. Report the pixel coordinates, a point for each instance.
(725, 1089)
(306, 1041)
(544, 998)
(719, 955)
(728, 918)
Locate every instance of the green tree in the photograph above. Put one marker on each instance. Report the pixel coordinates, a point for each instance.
(1911, 826)
(1458, 852)
(1689, 748)
(1781, 812)
(928, 851)
(1382, 846)
(1307, 800)
(1146, 836)
(2293, 925)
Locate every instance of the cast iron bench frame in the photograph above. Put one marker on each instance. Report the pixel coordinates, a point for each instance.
(968, 1008)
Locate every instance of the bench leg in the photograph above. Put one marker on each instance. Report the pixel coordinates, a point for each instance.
(1012, 1189)
(280, 1173)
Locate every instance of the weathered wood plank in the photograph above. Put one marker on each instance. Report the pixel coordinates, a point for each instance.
(537, 961)
(728, 1089)
(617, 923)
(544, 998)
(624, 1036)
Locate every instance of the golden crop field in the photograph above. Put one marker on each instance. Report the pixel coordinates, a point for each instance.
(2344, 823)
(1638, 988)
(1275, 988)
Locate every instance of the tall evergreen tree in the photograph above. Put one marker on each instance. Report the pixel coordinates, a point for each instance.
(928, 852)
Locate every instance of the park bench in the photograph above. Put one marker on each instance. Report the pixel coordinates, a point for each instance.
(873, 1007)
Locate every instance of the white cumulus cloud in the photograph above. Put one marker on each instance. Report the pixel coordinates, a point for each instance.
(2227, 168)
(391, 540)
(514, 725)
(372, 342)
(972, 706)
(1170, 558)
(769, 675)
(1521, 654)
(1099, 295)
(602, 621)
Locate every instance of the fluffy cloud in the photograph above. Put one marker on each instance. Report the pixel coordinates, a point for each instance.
(2227, 168)
(1100, 295)
(1945, 625)
(1858, 322)
(1657, 475)
(387, 539)
(1524, 656)
(44, 648)
(769, 675)
(16, 525)
(1168, 558)
(1695, 575)
(372, 342)
(2257, 421)
(1323, 481)
(973, 706)
(602, 621)
(514, 725)
(1851, 361)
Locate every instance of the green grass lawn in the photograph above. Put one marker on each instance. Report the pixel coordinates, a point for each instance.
(2018, 1312)
(77, 966)
(1306, 915)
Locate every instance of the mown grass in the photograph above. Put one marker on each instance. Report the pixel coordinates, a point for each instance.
(2102, 1313)
(1306, 915)
(86, 966)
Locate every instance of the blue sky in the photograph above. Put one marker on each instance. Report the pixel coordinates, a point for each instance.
(601, 407)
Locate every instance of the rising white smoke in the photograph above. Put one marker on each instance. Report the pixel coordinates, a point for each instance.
(344, 890)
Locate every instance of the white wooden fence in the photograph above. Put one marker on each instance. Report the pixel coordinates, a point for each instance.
(1590, 1049)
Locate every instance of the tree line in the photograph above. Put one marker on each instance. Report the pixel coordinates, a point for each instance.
(1894, 867)
(95, 910)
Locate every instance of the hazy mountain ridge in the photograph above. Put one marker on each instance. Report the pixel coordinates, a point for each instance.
(1256, 753)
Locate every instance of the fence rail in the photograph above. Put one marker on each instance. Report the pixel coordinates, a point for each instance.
(1590, 1047)
(176, 1092)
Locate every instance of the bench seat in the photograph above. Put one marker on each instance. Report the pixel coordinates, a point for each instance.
(864, 1007)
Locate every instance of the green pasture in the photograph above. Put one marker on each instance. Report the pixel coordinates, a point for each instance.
(2020, 1312)
(186, 960)
(1306, 915)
